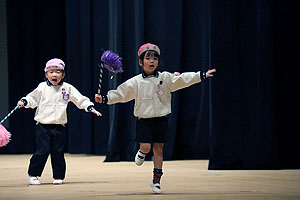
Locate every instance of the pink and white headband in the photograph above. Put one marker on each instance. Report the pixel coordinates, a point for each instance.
(147, 47)
(55, 63)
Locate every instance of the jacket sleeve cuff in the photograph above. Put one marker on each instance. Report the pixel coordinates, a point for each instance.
(24, 101)
(202, 75)
(104, 99)
(90, 108)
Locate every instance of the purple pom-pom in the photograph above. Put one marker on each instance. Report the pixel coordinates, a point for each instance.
(112, 61)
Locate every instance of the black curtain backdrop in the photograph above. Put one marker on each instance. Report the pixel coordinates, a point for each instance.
(246, 117)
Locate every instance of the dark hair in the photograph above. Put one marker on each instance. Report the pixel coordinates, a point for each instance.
(149, 53)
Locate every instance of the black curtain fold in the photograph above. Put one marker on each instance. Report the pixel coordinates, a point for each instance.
(245, 117)
(287, 37)
(86, 20)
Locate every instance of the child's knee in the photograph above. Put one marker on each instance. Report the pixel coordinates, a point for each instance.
(145, 147)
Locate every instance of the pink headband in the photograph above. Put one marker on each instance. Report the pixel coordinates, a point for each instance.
(54, 63)
(147, 47)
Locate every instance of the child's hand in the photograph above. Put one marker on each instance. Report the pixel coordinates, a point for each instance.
(20, 104)
(210, 72)
(96, 112)
(98, 98)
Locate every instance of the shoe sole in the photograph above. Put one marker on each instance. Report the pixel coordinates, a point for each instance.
(138, 163)
(34, 183)
(153, 190)
(58, 183)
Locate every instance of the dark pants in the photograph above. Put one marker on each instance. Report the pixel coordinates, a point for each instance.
(50, 139)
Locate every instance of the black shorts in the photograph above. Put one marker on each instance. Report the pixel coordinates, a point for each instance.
(152, 130)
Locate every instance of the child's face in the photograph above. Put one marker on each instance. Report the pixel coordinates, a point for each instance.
(150, 63)
(54, 76)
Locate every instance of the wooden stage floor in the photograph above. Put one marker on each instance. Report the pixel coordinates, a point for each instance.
(88, 177)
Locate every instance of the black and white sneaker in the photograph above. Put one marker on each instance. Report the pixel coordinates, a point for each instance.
(139, 158)
(155, 187)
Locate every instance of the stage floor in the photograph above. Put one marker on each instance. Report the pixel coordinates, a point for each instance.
(88, 177)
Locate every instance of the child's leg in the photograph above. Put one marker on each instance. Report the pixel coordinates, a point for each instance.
(157, 161)
(39, 158)
(141, 154)
(57, 153)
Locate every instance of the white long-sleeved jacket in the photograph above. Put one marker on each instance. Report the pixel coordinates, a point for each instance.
(52, 101)
(152, 94)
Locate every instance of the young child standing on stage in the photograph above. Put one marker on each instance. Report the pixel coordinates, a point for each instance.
(51, 99)
(152, 93)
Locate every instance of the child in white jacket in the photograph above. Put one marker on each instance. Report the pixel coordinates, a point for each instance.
(51, 99)
(151, 91)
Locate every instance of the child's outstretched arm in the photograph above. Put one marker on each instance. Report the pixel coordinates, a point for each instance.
(82, 102)
(210, 72)
(124, 93)
(32, 99)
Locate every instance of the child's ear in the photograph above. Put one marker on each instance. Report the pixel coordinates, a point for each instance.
(140, 63)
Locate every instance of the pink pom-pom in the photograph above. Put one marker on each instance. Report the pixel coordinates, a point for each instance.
(4, 136)
(177, 73)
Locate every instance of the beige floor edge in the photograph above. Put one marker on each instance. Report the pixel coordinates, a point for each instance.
(88, 177)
